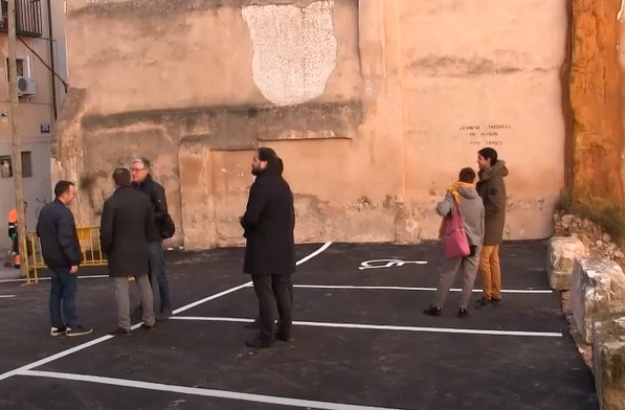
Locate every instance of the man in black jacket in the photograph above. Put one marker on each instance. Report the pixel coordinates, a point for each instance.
(143, 182)
(269, 221)
(127, 222)
(61, 253)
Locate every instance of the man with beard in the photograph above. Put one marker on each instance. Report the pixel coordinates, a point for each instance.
(269, 221)
(256, 323)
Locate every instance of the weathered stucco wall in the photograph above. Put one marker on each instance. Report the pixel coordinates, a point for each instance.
(366, 102)
(497, 68)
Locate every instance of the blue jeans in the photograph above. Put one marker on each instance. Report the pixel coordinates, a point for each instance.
(63, 297)
(157, 272)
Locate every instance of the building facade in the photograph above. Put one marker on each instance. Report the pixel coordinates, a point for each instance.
(42, 66)
(373, 105)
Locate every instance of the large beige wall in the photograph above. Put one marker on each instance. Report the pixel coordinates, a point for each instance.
(364, 101)
(492, 64)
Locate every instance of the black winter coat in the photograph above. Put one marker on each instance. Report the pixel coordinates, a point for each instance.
(156, 194)
(269, 221)
(56, 228)
(126, 225)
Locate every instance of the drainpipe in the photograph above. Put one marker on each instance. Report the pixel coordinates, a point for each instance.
(52, 65)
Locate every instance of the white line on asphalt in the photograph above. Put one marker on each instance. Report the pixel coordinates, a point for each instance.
(103, 275)
(101, 339)
(409, 288)
(222, 394)
(388, 327)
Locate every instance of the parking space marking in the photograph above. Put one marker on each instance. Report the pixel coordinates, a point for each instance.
(387, 327)
(104, 338)
(222, 394)
(411, 288)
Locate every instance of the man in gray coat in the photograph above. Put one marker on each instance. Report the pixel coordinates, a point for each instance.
(126, 225)
(471, 207)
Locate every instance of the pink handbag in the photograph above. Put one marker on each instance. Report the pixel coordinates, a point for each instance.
(455, 241)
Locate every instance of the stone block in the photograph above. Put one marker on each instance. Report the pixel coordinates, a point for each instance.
(597, 293)
(561, 259)
(608, 356)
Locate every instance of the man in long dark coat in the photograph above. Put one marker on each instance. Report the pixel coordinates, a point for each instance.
(269, 221)
(127, 222)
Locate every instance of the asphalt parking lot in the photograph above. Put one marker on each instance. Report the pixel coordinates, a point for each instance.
(360, 340)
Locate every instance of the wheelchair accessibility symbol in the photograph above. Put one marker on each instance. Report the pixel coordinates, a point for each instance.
(387, 263)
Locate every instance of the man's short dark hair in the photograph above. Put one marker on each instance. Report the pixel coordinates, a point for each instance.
(467, 175)
(121, 176)
(62, 187)
(490, 154)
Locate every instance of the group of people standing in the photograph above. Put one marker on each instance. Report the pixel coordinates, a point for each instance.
(483, 208)
(134, 222)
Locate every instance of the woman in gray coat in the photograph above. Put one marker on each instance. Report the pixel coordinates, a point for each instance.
(471, 207)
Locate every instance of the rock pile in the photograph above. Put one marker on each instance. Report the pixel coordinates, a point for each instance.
(598, 243)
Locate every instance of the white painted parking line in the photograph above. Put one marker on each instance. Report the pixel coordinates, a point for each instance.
(101, 339)
(7, 296)
(410, 288)
(389, 327)
(222, 394)
(103, 275)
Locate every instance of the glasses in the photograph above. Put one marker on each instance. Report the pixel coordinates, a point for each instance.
(137, 169)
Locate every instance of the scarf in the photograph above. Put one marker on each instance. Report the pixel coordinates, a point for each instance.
(453, 190)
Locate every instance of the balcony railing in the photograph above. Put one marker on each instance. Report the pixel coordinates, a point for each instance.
(28, 20)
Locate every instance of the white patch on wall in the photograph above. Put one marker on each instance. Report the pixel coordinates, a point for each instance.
(294, 49)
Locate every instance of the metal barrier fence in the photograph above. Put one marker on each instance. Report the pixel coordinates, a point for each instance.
(89, 238)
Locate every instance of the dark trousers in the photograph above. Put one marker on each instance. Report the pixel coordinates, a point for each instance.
(158, 275)
(257, 320)
(63, 298)
(273, 291)
(15, 243)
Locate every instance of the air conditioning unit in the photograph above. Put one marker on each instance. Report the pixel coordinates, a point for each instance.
(26, 86)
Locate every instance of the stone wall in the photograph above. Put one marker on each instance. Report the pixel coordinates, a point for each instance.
(593, 294)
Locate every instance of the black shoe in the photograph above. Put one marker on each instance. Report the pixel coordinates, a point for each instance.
(283, 337)
(463, 312)
(258, 342)
(432, 311)
(482, 303)
(121, 331)
(495, 302)
(78, 330)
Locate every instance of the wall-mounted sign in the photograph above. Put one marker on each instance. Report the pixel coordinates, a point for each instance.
(45, 128)
(6, 166)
